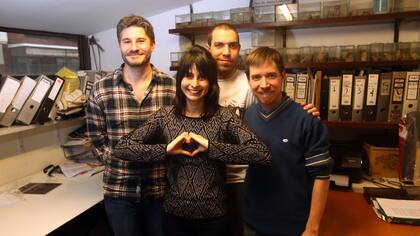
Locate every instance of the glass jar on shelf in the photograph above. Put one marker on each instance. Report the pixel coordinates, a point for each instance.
(334, 54)
(202, 19)
(309, 9)
(242, 58)
(376, 51)
(264, 14)
(305, 54)
(389, 52)
(292, 55)
(320, 54)
(347, 53)
(363, 53)
(360, 7)
(240, 15)
(381, 6)
(406, 5)
(286, 12)
(264, 38)
(221, 17)
(334, 8)
(415, 51)
(175, 58)
(182, 21)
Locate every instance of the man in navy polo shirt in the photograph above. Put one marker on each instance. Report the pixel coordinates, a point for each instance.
(289, 197)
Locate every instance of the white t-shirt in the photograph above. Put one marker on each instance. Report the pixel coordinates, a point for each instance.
(235, 92)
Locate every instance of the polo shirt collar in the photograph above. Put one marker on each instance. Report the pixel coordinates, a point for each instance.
(268, 115)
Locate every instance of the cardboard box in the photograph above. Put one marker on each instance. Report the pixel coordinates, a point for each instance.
(383, 161)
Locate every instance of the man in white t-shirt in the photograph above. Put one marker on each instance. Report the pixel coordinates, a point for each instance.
(223, 44)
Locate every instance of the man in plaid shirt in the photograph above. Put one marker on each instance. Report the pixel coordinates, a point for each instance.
(119, 103)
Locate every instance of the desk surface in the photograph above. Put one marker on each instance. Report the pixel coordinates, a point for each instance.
(41, 214)
(348, 214)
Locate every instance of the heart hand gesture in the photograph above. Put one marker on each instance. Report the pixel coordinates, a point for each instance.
(189, 144)
(203, 143)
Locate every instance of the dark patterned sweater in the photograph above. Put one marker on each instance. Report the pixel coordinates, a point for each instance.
(196, 184)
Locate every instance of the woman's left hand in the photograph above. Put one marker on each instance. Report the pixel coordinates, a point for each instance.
(203, 143)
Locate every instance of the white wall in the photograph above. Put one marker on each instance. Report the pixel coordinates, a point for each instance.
(166, 43)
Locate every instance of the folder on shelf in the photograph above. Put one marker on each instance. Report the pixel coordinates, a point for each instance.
(334, 98)
(411, 92)
(318, 79)
(87, 79)
(346, 96)
(301, 95)
(34, 101)
(397, 95)
(383, 96)
(49, 101)
(358, 97)
(311, 88)
(26, 86)
(325, 88)
(290, 85)
(8, 89)
(371, 94)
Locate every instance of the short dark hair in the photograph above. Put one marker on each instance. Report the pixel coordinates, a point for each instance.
(261, 55)
(225, 26)
(133, 20)
(207, 67)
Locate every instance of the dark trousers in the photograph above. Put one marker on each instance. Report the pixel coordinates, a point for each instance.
(235, 203)
(176, 226)
(129, 218)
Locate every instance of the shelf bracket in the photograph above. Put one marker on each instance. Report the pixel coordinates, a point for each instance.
(397, 31)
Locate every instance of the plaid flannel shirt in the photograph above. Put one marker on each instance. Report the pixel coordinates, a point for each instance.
(113, 112)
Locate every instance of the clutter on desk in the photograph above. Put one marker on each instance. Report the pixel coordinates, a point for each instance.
(397, 211)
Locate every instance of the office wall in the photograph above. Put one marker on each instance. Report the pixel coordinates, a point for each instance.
(166, 43)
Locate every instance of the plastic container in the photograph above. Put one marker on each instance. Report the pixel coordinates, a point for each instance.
(334, 54)
(202, 19)
(389, 52)
(360, 7)
(362, 53)
(221, 17)
(406, 5)
(309, 9)
(240, 15)
(293, 9)
(175, 58)
(292, 55)
(402, 51)
(320, 54)
(334, 8)
(376, 51)
(381, 6)
(182, 21)
(264, 38)
(264, 14)
(305, 54)
(347, 53)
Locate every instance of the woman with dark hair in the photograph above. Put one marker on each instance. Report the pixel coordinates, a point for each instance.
(196, 138)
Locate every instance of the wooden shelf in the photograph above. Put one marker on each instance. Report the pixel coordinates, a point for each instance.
(296, 24)
(22, 128)
(361, 125)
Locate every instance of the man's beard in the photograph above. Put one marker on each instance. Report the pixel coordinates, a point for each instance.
(145, 61)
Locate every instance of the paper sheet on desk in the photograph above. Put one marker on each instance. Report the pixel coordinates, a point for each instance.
(8, 199)
(400, 208)
(73, 169)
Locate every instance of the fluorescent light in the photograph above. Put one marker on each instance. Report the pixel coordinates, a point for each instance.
(286, 12)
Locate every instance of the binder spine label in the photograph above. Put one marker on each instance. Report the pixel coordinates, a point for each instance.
(346, 89)
(41, 89)
(412, 87)
(290, 86)
(398, 93)
(359, 88)
(372, 89)
(334, 94)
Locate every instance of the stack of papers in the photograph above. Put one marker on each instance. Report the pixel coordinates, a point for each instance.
(73, 169)
(397, 211)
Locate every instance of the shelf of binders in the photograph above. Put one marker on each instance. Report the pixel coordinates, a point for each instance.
(296, 24)
(361, 125)
(22, 128)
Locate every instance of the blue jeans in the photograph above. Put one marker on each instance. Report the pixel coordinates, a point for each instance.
(131, 218)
